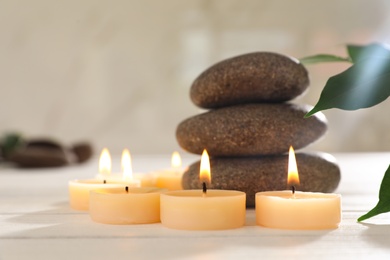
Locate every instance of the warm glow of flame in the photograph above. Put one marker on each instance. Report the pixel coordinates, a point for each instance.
(205, 174)
(126, 165)
(105, 162)
(292, 177)
(176, 160)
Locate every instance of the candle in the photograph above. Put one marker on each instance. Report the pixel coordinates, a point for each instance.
(171, 178)
(79, 189)
(297, 210)
(125, 205)
(203, 209)
(127, 176)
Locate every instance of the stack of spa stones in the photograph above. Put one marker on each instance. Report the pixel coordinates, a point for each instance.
(250, 127)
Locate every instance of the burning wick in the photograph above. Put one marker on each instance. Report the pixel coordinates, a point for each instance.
(204, 173)
(127, 189)
(292, 176)
(104, 181)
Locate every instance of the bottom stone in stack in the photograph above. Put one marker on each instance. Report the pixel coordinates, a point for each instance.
(317, 173)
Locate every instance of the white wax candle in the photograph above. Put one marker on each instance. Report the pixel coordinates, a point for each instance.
(304, 210)
(169, 179)
(191, 210)
(118, 206)
(79, 191)
(146, 179)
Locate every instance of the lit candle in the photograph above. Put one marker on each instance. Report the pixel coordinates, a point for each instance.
(171, 178)
(297, 210)
(203, 209)
(127, 176)
(125, 205)
(79, 189)
(105, 164)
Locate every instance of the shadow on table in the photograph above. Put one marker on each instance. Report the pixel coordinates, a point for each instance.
(64, 230)
(377, 234)
(53, 222)
(280, 238)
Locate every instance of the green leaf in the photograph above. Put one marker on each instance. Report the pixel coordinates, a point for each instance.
(383, 205)
(364, 84)
(375, 50)
(323, 58)
(9, 143)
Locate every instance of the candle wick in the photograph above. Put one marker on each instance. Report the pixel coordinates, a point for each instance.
(293, 189)
(127, 189)
(204, 187)
(104, 181)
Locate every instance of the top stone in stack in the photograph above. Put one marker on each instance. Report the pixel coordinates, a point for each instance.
(249, 116)
(251, 78)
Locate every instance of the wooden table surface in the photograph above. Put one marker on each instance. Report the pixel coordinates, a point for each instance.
(37, 223)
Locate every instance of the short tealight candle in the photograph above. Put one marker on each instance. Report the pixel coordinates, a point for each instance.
(297, 210)
(79, 189)
(203, 209)
(123, 206)
(171, 178)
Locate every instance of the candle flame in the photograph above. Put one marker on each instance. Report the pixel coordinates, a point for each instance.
(205, 174)
(292, 177)
(126, 165)
(105, 162)
(176, 160)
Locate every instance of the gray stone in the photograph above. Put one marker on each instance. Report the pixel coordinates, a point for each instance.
(317, 173)
(40, 153)
(251, 129)
(250, 78)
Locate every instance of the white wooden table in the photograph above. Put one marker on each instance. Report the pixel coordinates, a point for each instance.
(37, 223)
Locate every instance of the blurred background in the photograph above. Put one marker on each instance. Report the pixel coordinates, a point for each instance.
(118, 72)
